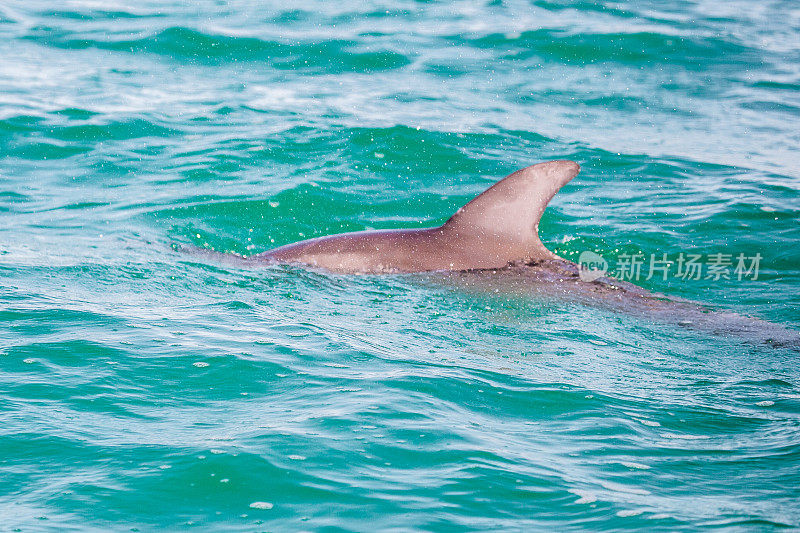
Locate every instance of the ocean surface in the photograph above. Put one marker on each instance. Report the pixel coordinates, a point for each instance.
(145, 389)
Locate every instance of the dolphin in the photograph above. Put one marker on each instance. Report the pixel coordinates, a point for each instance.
(496, 228)
(498, 231)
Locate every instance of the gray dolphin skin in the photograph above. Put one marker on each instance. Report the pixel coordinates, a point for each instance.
(498, 227)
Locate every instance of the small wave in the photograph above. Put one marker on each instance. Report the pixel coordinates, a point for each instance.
(80, 132)
(627, 48)
(94, 15)
(183, 43)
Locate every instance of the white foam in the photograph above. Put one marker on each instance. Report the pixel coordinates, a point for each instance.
(630, 512)
(631, 464)
(626, 489)
(261, 505)
(651, 423)
(584, 496)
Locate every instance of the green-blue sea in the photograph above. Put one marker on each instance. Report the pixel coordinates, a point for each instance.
(143, 388)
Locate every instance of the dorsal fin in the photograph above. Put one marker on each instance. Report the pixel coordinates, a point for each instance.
(512, 207)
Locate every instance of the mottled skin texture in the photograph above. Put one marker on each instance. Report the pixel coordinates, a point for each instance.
(496, 228)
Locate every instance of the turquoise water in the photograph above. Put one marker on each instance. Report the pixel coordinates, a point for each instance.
(144, 389)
